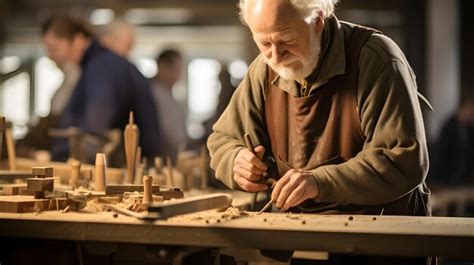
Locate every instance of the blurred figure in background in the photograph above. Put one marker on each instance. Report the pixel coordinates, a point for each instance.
(226, 92)
(172, 116)
(72, 72)
(453, 159)
(118, 36)
(109, 87)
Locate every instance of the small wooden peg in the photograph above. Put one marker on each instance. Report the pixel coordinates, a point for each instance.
(100, 172)
(147, 186)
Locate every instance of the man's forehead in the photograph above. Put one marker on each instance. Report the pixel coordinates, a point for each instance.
(271, 15)
(52, 36)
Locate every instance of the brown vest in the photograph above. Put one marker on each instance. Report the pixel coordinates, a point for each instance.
(324, 128)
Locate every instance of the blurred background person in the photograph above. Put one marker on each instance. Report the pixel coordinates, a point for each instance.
(172, 116)
(453, 156)
(118, 36)
(109, 87)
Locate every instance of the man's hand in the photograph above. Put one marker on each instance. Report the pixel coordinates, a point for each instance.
(293, 188)
(249, 169)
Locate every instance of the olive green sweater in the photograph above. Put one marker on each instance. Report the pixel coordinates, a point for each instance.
(394, 158)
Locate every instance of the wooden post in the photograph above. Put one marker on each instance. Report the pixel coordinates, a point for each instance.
(100, 172)
(2, 127)
(131, 143)
(10, 149)
(203, 164)
(169, 176)
(158, 165)
(147, 193)
(75, 173)
(138, 166)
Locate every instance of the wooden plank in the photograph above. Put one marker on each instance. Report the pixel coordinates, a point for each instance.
(17, 174)
(386, 235)
(42, 171)
(14, 189)
(28, 204)
(190, 205)
(120, 189)
(22, 204)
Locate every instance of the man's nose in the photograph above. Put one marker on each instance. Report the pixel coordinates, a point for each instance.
(276, 54)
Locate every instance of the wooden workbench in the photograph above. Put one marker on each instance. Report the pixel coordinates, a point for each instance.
(381, 235)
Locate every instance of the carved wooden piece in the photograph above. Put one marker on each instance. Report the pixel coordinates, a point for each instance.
(42, 182)
(2, 128)
(158, 165)
(169, 175)
(75, 173)
(10, 149)
(147, 193)
(100, 181)
(131, 143)
(39, 186)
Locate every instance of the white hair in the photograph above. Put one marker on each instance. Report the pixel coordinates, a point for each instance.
(309, 9)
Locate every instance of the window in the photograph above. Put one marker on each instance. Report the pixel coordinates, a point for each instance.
(49, 78)
(204, 89)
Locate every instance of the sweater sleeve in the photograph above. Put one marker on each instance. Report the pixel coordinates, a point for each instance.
(244, 114)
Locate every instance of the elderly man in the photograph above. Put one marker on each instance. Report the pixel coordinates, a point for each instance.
(333, 110)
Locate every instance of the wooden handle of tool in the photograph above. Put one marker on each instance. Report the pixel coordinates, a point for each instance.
(248, 142)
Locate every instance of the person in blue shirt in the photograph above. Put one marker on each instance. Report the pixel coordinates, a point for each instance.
(108, 88)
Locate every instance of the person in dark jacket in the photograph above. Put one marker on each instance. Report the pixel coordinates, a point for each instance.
(107, 90)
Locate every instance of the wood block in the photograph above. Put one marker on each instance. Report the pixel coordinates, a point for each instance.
(22, 204)
(40, 184)
(42, 171)
(27, 204)
(14, 189)
(120, 189)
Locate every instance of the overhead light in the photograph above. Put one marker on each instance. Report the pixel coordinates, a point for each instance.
(158, 16)
(102, 16)
(237, 69)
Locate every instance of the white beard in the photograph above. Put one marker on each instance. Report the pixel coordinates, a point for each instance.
(308, 63)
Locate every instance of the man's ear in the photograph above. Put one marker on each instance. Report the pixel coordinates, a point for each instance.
(319, 22)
